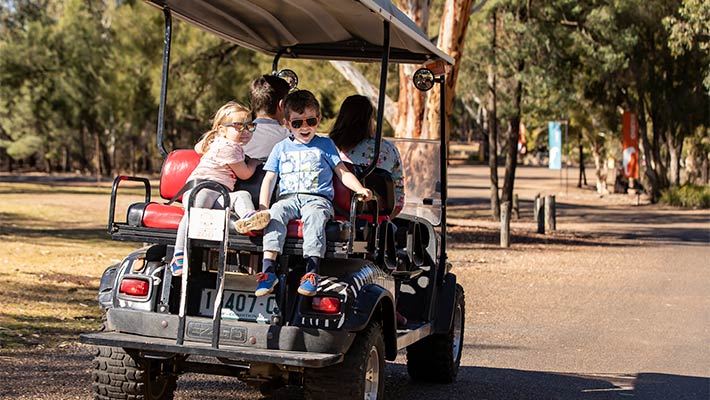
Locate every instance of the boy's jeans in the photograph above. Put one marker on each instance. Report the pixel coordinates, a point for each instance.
(313, 210)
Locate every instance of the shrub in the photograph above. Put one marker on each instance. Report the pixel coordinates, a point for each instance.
(688, 195)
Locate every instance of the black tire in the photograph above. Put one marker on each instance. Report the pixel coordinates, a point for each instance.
(437, 357)
(118, 376)
(361, 374)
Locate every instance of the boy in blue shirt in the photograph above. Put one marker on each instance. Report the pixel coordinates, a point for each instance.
(305, 164)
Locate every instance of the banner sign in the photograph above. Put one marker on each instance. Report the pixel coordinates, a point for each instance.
(630, 145)
(554, 130)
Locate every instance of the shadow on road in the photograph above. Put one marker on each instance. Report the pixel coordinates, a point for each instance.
(477, 383)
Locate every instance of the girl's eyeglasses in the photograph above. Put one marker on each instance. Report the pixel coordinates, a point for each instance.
(242, 126)
(297, 123)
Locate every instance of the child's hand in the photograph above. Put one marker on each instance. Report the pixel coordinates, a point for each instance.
(365, 193)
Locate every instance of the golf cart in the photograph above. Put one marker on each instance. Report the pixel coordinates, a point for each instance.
(333, 345)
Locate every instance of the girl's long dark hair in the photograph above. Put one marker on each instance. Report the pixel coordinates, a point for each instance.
(353, 123)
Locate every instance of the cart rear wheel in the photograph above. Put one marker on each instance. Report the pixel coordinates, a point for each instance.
(359, 376)
(437, 357)
(117, 375)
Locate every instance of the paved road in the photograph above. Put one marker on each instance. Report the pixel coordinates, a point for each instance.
(613, 305)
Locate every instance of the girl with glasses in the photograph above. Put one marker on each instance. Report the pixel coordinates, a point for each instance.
(223, 162)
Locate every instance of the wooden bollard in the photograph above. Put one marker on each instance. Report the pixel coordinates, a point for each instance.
(535, 204)
(516, 209)
(540, 214)
(550, 222)
(505, 224)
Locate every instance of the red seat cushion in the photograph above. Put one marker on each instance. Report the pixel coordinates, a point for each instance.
(294, 229)
(176, 169)
(162, 216)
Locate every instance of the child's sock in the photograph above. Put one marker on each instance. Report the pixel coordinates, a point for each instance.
(268, 266)
(177, 262)
(313, 265)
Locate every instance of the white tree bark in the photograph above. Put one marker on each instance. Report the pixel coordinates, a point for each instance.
(367, 89)
(452, 32)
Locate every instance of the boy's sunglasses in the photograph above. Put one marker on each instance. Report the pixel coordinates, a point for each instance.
(242, 126)
(297, 123)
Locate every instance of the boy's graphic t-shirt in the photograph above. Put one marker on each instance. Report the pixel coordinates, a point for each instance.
(304, 168)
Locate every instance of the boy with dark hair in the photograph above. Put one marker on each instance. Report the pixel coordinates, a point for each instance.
(305, 164)
(266, 95)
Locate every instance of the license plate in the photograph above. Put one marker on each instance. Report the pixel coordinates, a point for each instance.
(238, 305)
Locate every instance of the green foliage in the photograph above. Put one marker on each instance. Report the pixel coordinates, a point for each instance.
(688, 196)
(77, 73)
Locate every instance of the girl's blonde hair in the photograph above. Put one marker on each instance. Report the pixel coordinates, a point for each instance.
(220, 118)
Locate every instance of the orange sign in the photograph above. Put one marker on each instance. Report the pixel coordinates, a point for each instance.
(630, 144)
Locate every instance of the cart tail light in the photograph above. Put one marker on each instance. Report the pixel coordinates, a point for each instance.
(329, 305)
(134, 287)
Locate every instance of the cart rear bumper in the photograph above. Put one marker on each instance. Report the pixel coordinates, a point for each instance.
(238, 340)
(166, 347)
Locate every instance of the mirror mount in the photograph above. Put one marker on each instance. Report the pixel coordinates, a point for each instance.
(290, 77)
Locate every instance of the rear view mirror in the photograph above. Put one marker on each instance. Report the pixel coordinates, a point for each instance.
(423, 79)
(290, 77)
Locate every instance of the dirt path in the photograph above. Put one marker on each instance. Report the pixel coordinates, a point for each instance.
(612, 305)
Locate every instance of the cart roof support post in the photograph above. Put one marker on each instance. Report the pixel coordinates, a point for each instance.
(164, 79)
(380, 99)
(443, 157)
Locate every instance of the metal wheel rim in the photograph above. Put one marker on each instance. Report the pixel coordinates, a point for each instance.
(372, 374)
(458, 331)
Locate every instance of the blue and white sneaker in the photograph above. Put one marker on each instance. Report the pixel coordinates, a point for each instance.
(265, 283)
(176, 263)
(309, 284)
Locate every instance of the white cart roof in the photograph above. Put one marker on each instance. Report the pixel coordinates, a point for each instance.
(312, 29)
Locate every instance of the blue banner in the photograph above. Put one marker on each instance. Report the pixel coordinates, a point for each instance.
(554, 130)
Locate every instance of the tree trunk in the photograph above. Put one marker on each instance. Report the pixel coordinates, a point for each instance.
(452, 32)
(582, 172)
(493, 122)
(599, 168)
(511, 159)
(365, 88)
(410, 102)
(675, 147)
(650, 170)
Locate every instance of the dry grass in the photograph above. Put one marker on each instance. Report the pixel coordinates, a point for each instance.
(53, 250)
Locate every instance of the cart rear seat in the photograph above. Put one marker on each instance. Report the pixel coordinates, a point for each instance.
(180, 163)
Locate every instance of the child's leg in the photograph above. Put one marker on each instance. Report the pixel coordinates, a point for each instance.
(241, 202)
(315, 214)
(273, 241)
(275, 232)
(204, 199)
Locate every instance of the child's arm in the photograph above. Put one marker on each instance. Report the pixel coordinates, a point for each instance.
(244, 170)
(199, 146)
(351, 182)
(267, 187)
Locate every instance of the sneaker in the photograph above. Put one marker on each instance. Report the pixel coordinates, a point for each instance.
(176, 263)
(253, 221)
(309, 284)
(265, 283)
